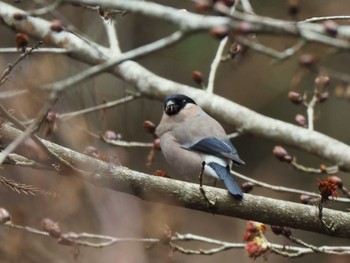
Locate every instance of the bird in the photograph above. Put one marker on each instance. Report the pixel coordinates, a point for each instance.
(194, 143)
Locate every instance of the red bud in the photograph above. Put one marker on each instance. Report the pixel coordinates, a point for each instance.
(295, 97)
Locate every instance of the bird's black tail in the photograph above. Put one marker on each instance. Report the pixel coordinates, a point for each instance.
(225, 176)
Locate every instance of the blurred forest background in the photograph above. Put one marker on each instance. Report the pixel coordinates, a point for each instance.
(253, 80)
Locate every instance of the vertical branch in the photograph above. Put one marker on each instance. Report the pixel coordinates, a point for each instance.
(217, 59)
(215, 64)
(310, 112)
(112, 36)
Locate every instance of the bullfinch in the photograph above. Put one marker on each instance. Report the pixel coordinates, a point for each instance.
(194, 143)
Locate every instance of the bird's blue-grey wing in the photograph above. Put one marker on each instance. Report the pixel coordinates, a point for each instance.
(216, 147)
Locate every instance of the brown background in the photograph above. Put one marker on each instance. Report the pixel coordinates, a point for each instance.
(254, 82)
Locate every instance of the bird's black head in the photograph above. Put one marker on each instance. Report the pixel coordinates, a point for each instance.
(174, 103)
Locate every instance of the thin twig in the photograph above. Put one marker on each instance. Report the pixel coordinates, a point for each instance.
(324, 18)
(10, 67)
(41, 50)
(12, 93)
(69, 115)
(328, 170)
(100, 241)
(279, 55)
(127, 143)
(137, 52)
(215, 64)
(284, 189)
(110, 240)
(107, 105)
(217, 59)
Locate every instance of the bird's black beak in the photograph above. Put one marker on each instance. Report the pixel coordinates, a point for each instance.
(171, 108)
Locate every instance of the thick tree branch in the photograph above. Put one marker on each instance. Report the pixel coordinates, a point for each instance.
(245, 120)
(89, 52)
(178, 193)
(257, 24)
(153, 86)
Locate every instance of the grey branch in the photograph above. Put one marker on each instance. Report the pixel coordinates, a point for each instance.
(184, 194)
(284, 189)
(258, 24)
(153, 86)
(100, 241)
(41, 50)
(93, 71)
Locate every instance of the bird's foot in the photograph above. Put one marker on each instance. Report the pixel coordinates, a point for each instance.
(211, 203)
(200, 177)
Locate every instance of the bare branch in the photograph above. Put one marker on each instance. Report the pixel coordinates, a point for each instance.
(127, 143)
(112, 37)
(324, 18)
(259, 24)
(178, 193)
(284, 189)
(310, 112)
(41, 50)
(153, 86)
(215, 64)
(93, 71)
(8, 70)
(107, 105)
(100, 241)
(279, 55)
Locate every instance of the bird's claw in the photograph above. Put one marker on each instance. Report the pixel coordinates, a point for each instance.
(211, 203)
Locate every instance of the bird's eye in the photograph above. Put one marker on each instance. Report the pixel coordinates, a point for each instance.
(184, 102)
